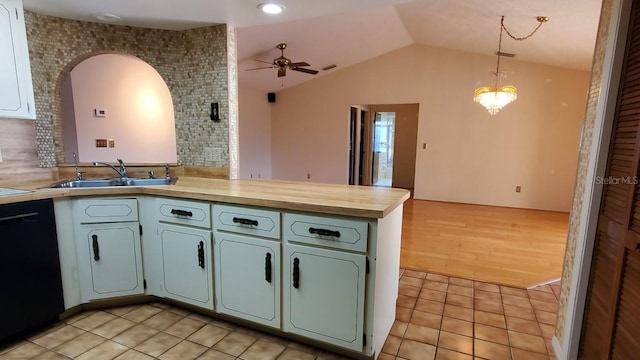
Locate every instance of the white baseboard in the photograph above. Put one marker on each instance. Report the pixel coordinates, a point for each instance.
(557, 349)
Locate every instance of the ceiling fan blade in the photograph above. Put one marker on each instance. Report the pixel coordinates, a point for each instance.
(282, 71)
(299, 64)
(308, 71)
(262, 61)
(260, 68)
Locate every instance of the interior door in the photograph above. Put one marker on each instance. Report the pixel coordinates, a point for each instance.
(611, 328)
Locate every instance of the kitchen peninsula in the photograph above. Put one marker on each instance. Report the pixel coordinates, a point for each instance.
(319, 262)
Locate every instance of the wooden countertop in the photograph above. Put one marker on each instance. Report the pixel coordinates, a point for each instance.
(359, 201)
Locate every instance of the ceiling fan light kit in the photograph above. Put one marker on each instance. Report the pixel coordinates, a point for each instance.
(497, 96)
(282, 64)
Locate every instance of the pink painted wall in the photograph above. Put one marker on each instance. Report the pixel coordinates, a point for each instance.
(472, 157)
(254, 124)
(139, 109)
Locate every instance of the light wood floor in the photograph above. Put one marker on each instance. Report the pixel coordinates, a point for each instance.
(507, 246)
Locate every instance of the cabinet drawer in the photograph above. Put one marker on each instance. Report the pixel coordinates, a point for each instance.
(106, 210)
(184, 212)
(246, 220)
(337, 233)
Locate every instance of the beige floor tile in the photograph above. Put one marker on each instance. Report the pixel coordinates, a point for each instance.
(546, 317)
(547, 330)
(94, 320)
(113, 327)
(50, 355)
(516, 300)
(208, 335)
(234, 343)
(436, 277)
(392, 345)
(523, 326)
(461, 282)
(542, 295)
(45, 331)
(455, 342)
(490, 350)
(457, 326)
(142, 313)
(406, 301)
(121, 310)
(435, 285)
(294, 354)
(516, 311)
(491, 319)
(398, 328)
(434, 295)
(539, 305)
(410, 281)
(223, 324)
(488, 306)
(134, 355)
(80, 344)
(403, 314)
(135, 335)
(414, 273)
(158, 344)
(458, 312)
(487, 295)
(414, 350)
(519, 354)
(490, 333)
(408, 290)
(477, 285)
(59, 336)
(460, 290)
(527, 342)
(202, 317)
(430, 306)
(184, 327)
(382, 356)
(162, 320)
(81, 315)
(185, 350)
(106, 351)
(445, 354)
(506, 290)
(215, 355)
(426, 319)
(26, 350)
(263, 350)
(422, 334)
(179, 311)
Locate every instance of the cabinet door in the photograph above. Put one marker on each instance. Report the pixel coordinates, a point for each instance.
(186, 261)
(248, 278)
(324, 295)
(16, 89)
(112, 252)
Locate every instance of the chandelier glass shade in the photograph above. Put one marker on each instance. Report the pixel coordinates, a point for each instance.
(495, 97)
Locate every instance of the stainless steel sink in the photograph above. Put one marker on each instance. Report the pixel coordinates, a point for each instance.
(90, 183)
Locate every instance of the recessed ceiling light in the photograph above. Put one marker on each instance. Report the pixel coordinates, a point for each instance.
(271, 8)
(108, 18)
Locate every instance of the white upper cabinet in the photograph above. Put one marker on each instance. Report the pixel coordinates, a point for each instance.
(16, 88)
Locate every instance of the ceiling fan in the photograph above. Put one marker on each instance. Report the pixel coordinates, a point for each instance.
(282, 64)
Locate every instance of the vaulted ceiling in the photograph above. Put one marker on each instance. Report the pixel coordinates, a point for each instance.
(345, 33)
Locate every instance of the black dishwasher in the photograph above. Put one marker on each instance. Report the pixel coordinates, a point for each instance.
(31, 294)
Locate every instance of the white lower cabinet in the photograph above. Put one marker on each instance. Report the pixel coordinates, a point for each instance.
(247, 274)
(323, 295)
(111, 253)
(186, 261)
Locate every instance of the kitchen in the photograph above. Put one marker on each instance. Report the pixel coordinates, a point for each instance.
(45, 131)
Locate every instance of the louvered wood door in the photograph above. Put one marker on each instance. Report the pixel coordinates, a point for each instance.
(611, 328)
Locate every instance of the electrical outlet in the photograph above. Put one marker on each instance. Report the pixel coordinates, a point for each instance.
(101, 143)
(308, 176)
(518, 188)
(424, 146)
(112, 143)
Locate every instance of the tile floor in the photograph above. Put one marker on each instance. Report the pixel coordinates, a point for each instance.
(438, 317)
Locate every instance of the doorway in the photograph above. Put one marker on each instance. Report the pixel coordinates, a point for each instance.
(383, 144)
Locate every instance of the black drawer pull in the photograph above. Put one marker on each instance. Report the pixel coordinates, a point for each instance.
(324, 232)
(96, 248)
(181, 212)
(296, 273)
(244, 221)
(267, 268)
(201, 254)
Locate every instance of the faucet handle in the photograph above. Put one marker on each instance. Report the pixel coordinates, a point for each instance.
(167, 173)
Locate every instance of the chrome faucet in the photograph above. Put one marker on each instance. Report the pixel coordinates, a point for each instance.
(78, 173)
(122, 171)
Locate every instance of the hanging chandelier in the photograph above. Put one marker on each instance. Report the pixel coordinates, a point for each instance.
(497, 96)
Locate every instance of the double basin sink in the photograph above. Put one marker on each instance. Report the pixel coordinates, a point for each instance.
(126, 181)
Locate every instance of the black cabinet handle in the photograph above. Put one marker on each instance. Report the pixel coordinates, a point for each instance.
(296, 273)
(201, 254)
(267, 268)
(244, 221)
(96, 248)
(324, 232)
(181, 212)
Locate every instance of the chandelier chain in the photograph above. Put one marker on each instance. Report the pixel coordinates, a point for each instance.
(515, 37)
